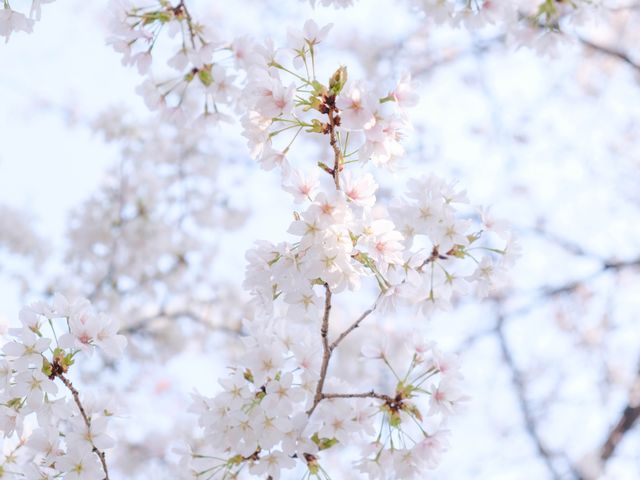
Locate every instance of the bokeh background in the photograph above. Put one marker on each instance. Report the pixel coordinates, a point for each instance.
(152, 222)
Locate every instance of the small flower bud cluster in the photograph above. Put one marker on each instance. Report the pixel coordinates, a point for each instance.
(52, 429)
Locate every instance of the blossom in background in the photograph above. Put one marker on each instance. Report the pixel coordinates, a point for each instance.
(13, 21)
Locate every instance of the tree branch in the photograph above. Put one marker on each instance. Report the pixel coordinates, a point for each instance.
(87, 421)
(141, 325)
(326, 350)
(355, 324)
(520, 390)
(570, 286)
(182, 8)
(371, 394)
(606, 50)
(625, 423)
(337, 154)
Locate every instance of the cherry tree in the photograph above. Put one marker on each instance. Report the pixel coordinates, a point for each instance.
(315, 388)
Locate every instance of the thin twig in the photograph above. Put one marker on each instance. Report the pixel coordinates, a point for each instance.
(571, 286)
(564, 243)
(87, 422)
(355, 324)
(520, 390)
(326, 350)
(481, 46)
(182, 7)
(371, 394)
(627, 420)
(140, 327)
(337, 154)
(620, 55)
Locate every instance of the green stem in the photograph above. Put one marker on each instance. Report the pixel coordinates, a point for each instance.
(299, 77)
(292, 140)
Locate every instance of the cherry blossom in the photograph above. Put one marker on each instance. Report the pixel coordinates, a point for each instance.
(287, 404)
(71, 436)
(204, 82)
(13, 21)
(283, 407)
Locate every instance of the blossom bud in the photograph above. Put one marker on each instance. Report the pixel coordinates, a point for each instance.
(338, 79)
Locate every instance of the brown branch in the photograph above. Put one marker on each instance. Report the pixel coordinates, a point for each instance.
(520, 390)
(355, 324)
(612, 52)
(326, 350)
(140, 326)
(481, 46)
(570, 286)
(564, 243)
(329, 348)
(625, 423)
(371, 394)
(337, 154)
(573, 285)
(87, 421)
(324, 329)
(182, 8)
(627, 420)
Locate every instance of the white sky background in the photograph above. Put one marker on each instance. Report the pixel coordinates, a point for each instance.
(538, 138)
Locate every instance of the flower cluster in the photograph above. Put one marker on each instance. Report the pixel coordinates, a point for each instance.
(282, 409)
(340, 236)
(514, 14)
(282, 101)
(201, 83)
(15, 21)
(533, 23)
(143, 244)
(54, 430)
(425, 253)
(269, 419)
(201, 74)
